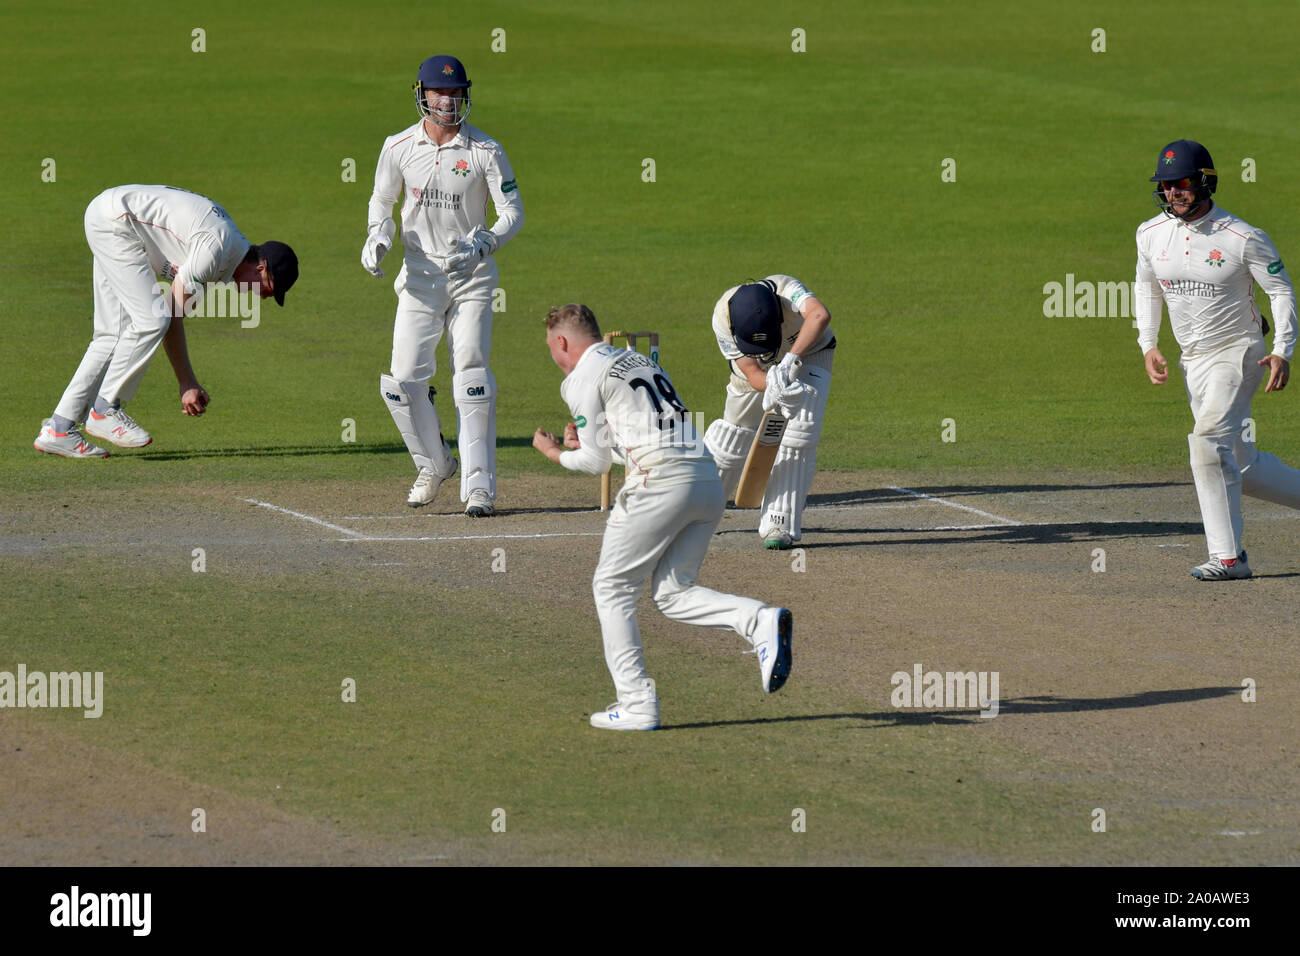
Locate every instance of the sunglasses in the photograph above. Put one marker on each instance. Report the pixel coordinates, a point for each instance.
(1185, 183)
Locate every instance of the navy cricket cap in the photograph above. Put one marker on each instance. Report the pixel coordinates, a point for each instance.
(443, 71)
(755, 313)
(283, 266)
(1181, 158)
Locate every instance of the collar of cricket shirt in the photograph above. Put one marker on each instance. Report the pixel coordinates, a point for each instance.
(1207, 222)
(457, 140)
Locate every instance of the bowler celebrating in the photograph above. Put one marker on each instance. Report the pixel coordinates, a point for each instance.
(624, 406)
(1203, 262)
(448, 169)
(137, 234)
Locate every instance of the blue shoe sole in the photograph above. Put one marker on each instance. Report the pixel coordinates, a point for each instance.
(784, 657)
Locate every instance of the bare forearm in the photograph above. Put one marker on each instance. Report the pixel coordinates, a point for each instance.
(178, 353)
(816, 320)
(749, 368)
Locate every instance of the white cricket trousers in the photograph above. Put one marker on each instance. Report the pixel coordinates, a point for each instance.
(661, 533)
(428, 305)
(1225, 461)
(132, 313)
(427, 308)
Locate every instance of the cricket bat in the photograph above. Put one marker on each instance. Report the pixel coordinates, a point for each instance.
(758, 466)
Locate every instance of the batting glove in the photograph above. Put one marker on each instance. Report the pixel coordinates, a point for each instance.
(772, 394)
(377, 245)
(780, 377)
(792, 398)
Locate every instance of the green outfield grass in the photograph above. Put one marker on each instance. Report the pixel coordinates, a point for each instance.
(481, 707)
(824, 164)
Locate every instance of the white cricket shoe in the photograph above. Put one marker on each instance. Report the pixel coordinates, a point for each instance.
(69, 444)
(772, 645)
(778, 541)
(426, 485)
(1215, 570)
(118, 427)
(480, 504)
(644, 716)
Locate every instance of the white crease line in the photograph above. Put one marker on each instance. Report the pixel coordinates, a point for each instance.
(962, 527)
(953, 504)
(455, 514)
(843, 506)
(1038, 524)
(286, 511)
(479, 537)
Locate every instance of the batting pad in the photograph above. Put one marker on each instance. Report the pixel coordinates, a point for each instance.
(796, 462)
(475, 394)
(783, 497)
(729, 445)
(418, 421)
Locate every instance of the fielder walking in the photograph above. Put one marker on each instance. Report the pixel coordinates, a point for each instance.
(448, 169)
(624, 406)
(1203, 261)
(137, 235)
(777, 337)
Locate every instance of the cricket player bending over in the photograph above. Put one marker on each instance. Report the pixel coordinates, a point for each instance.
(662, 519)
(138, 234)
(777, 337)
(1204, 262)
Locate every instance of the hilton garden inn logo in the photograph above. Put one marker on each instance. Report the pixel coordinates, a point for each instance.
(76, 908)
(80, 689)
(955, 690)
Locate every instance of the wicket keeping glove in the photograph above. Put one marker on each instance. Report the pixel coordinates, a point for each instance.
(469, 252)
(484, 240)
(461, 262)
(377, 245)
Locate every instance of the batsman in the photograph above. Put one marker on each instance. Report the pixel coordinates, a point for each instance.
(777, 337)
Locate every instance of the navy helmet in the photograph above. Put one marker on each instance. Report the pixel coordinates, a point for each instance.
(443, 72)
(755, 312)
(1184, 159)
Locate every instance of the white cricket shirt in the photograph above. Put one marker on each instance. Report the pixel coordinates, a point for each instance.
(1205, 271)
(626, 409)
(446, 189)
(188, 237)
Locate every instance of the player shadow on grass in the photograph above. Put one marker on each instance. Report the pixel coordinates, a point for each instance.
(876, 496)
(292, 451)
(1014, 706)
(1058, 532)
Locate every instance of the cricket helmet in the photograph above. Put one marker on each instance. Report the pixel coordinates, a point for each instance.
(443, 72)
(1184, 159)
(755, 313)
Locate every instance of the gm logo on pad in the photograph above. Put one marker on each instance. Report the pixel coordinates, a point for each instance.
(476, 390)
